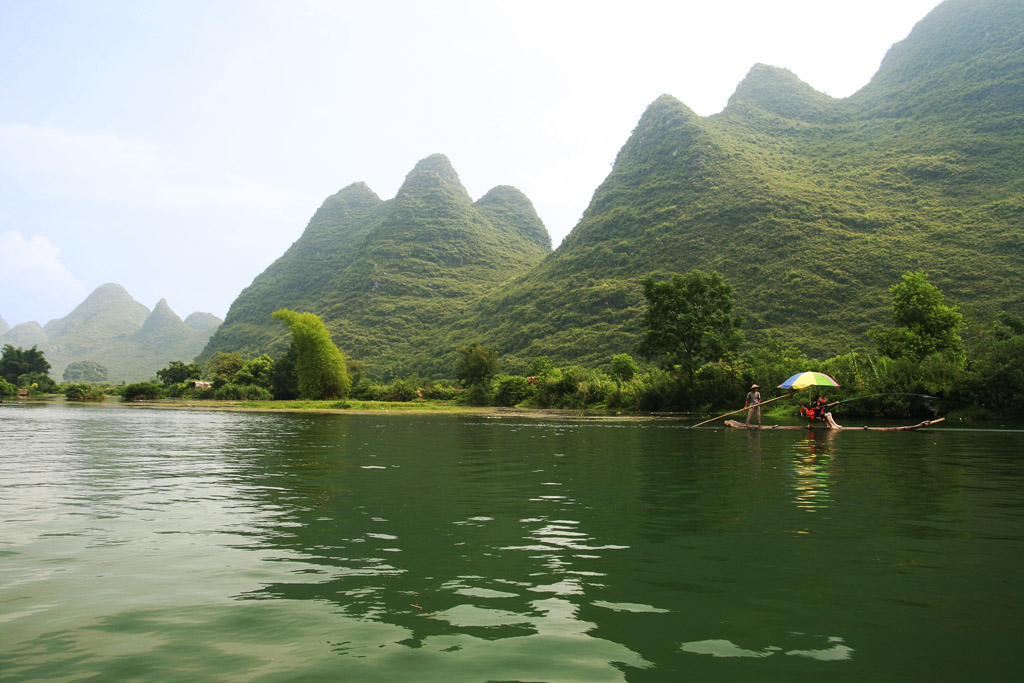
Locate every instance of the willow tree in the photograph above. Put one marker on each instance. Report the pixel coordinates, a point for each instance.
(319, 364)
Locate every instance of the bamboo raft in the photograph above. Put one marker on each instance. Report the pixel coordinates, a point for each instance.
(904, 428)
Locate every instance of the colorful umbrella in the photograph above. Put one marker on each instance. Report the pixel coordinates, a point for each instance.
(802, 380)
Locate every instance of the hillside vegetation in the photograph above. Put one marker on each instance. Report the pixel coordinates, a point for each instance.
(810, 207)
(387, 275)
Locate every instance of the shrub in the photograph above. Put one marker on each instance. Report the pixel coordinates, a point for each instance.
(403, 390)
(366, 391)
(83, 392)
(478, 395)
(441, 391)
(141, 391)
(242, 392)
(511, 390)
(719, 384)
(624, 368)
(660, 390)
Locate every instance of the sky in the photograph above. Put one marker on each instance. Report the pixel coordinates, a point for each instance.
(179, 147)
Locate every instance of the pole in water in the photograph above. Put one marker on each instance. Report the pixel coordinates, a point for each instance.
(733, 412)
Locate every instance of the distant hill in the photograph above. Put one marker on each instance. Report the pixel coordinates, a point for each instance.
(25, 335)
(810, 207)
(386, 274)
(113, 329)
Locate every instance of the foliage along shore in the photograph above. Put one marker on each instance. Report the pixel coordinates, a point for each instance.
(924, 368)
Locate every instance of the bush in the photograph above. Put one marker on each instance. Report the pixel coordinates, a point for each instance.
(623, 395)
(366, 391)
(403, 390)
(441, 391)
(37, 383)
(7, 389)
(624, 368)
(141, 391)
(511, 390)
(478, 395)
(242, 392)
(659, 391)
(83, 392)
(719, 384)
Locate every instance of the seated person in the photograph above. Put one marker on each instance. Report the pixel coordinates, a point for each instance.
(816, 413)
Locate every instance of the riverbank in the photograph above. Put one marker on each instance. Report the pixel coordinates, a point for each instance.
(350, 406)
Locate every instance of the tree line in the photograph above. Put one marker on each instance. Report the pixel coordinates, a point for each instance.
(694, 357)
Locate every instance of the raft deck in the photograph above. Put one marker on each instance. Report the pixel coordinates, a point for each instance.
(904, 428)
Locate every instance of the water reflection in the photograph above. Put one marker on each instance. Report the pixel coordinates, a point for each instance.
(454, 567)
(814, 467)
(833, 649)
(188, 546)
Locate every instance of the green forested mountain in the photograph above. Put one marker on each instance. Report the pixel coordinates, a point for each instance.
(387, 275)
(809, 206)
(116, 331)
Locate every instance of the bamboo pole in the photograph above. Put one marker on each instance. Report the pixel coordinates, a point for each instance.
(747, 408)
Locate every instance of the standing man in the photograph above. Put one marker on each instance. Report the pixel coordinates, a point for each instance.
(753, 405)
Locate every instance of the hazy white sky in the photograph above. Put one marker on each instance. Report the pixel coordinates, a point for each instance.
(178, 147)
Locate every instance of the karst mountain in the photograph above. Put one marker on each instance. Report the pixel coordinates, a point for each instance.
(810, 207)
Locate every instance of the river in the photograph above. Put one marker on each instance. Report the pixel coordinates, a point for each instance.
(148, 544)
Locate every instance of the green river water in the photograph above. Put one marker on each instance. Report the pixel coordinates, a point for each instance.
(140, 544)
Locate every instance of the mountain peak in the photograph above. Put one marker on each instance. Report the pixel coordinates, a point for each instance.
(965, 54)
(506, 206)
(355, 193)
(163, 324)
(669, 137)
(439, 164)
(110, 302)
(25, 335)
(420, 180)
(780, 92)
(203, 322)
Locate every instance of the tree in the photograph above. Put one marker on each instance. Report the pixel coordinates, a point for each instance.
(925, 324)
(256, 372)
(475, 364)
(689, 321)
(542, 366)
(178, 371)
(223, 367)
(17, 362)
(624, 368)
(319, 363)
(86, 372)
(284, 378)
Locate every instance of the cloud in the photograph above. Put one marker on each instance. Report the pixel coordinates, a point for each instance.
(33, 280)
